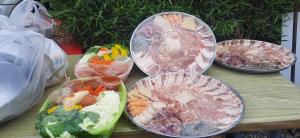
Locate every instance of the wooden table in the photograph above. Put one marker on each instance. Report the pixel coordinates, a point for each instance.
(272, 102)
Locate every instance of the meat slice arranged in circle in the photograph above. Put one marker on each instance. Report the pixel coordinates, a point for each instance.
(182, 104)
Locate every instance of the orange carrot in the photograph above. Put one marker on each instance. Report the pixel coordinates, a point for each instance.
(136, 112)
(144, 103)
(94, 58)
(136, 100)
(87, 88)
(132, 108)
(97, 91)
(101, 62)
(103, 49)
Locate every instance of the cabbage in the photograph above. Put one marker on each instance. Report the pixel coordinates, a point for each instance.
(86, 57)
(108, 104)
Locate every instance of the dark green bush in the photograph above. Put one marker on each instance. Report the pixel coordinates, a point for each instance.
(106, 21)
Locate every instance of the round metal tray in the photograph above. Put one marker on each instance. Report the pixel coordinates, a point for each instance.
(208, 38)
(141, 126)
(247, 70)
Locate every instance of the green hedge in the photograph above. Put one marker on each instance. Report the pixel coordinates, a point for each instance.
(106, 21)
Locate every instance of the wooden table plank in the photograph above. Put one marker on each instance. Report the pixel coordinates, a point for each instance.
(272, 102)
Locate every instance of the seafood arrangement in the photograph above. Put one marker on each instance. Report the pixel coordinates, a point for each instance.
(107, 60)
(181, 104)
(172, 42)
(254, 56)
(85, 107)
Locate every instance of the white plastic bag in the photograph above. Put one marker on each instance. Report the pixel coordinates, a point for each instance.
(22, 80)
(28, 63)
(33, 15)
(56, 62)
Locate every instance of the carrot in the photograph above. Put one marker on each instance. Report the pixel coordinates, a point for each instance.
(103, 49)
(132, 108)
(97, 91)
(136, 112)
(94, 58)
(86, 88)
(136, 100)
(103, 62)
(138, 104)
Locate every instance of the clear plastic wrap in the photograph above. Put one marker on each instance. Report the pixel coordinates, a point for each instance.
(34, 16)
(21, 65)
(102, 61)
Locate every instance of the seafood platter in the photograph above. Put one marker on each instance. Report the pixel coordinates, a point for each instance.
(253, 56)
(184, 105)
(172, 42)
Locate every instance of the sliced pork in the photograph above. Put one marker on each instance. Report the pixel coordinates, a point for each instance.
(173, 42)
(182, 104)
(254, 55)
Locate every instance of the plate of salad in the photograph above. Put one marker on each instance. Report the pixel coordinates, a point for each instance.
(86, 108)
(110, 59)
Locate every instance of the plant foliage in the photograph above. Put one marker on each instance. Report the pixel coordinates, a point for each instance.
(96, 22)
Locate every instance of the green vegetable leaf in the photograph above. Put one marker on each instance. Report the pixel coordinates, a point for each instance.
(93, 116)
(93, 50)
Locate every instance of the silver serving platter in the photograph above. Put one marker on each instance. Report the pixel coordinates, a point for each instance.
(141, 126)
(139, 43)
(247, 70)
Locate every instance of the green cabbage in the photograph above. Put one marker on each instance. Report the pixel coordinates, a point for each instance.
(107, 107)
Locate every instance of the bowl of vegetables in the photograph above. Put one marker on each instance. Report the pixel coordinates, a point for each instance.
(105, 60)
(84, 108)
